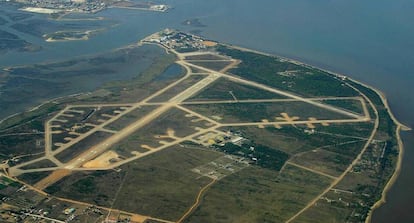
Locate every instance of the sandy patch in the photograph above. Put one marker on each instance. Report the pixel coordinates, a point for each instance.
(138, 218)
(40, 10)
(209, 43)
(103, 160)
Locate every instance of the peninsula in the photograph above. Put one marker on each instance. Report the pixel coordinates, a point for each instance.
(234, 135)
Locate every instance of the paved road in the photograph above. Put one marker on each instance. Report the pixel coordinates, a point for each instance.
(284, 93)
(297, 122)
(100, 148)
(350, 167)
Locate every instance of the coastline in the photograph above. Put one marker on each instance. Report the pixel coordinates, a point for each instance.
(400, 126)
(393, 178)
(30, 109)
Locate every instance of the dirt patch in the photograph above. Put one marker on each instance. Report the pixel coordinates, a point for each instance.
(103, 160)
(138, 218)
(209, 43)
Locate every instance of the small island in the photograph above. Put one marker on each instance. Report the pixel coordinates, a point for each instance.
(69, 35)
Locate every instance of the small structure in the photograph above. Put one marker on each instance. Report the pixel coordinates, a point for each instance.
(69, 211)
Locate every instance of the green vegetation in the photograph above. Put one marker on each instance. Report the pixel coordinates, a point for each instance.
(85, 185)
(259, 195)
(221, 88)
(28, 116)
(130, 117)
(32, 178)
(141, 86)
(293, 139)
(70, 35)
(156, 132)
(82, 146)
(183, 85)
(165, 184)
(331, 210)
(361, 187)
(386, 125)
(40, 164)
(20, 145)
(324, 161)
(206, 57)
(260, 155)
(123, 73)
(351, 105)
(303, 80)
(235, 112)
(160, 185)
(212, 65)
(93, 187)
(9, 182)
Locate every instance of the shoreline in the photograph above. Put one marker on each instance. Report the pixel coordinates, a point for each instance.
(34, 108)
(397, 170)
(393, 178)
(400, 126)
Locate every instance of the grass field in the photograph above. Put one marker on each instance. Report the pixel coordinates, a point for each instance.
(160, 185)
(103, 113)
(212, 65)
(40, 164)
(324, 161)
(304, 81)
(220, 90)
(195, 70)
(35, 116)
(188, 82)
(206, 57)
(347, 104)
(16, 145)
(82, 146)
(32, 178)
(335, 208)
(138, 88)
(293, 140)
(256, 112)
(130, 117)
(173, 122)
(259, 195)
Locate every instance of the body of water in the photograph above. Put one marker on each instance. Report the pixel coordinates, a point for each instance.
(371, 41)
